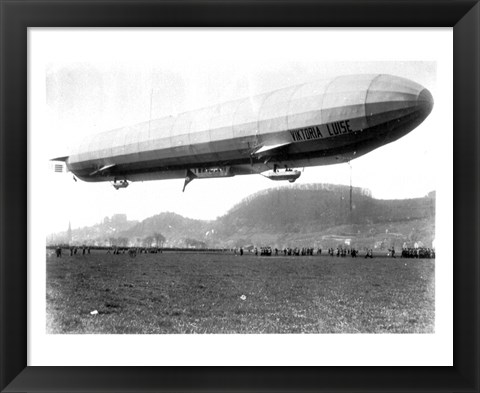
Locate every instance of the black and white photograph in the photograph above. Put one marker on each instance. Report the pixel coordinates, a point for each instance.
(234, 185)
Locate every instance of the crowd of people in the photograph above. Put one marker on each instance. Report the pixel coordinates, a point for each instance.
(420, 252)
(74, 250)
(133, 251)
(338, 252)
(407, 252)
(300, 251)
(83, 250)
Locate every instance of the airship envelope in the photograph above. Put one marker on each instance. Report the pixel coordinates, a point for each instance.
(318, 123)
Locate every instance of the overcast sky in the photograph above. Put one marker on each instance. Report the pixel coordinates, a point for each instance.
(96, 80)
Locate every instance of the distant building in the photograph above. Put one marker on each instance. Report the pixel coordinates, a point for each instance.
(118, 219)
(115, 219)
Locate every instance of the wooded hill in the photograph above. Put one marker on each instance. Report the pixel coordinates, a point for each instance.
(313, 215)
(323, 214)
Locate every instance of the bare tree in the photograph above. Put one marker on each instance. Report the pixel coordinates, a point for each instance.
(148, 241)
(159, 239)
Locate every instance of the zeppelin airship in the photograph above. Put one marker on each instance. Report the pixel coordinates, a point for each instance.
(318, 123)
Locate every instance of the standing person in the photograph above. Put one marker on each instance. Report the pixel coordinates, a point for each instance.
(392, 251)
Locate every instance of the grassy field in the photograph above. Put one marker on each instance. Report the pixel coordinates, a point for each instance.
(219, 293)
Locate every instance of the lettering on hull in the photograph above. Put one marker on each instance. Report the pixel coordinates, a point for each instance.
(305, 134)
(323, 131)
(212, 172)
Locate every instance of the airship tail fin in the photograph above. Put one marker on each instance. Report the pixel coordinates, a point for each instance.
(59, 164)
(62, 159)
(270, 149)
(102, 169)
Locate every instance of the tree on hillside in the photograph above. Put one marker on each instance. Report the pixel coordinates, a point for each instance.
(148, 241)
(122, 241)
(159, 239)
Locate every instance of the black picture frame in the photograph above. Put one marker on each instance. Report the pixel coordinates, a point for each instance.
(18, 15)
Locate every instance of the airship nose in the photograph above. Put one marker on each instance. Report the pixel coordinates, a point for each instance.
(425, 102)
